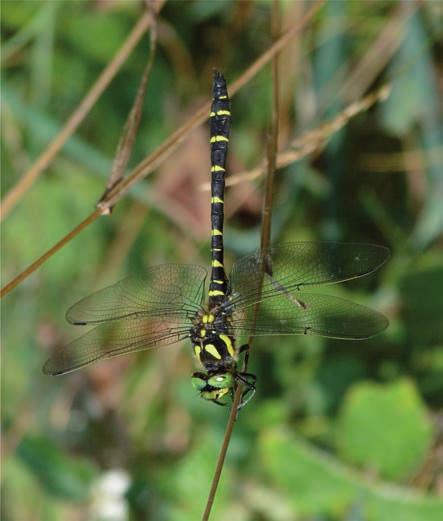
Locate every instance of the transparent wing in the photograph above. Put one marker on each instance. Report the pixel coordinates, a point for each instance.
(309, 313)
(115, 338)
(294, 266)
(160, 291)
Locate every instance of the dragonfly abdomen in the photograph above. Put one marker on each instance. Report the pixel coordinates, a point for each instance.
(220, 125)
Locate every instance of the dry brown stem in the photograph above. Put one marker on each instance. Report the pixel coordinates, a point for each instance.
(127, 140)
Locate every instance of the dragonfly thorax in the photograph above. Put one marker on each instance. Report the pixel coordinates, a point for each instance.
(215, 350)
(213, 346)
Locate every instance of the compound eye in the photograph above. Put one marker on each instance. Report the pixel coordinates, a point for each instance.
(198, 382)
(222, 380)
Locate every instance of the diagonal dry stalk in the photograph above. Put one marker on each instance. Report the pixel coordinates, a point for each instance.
(264, 247)
(48, 254)
(380, 52)
(79, 114)
(127, 140)
(163, 151)
(222, 455)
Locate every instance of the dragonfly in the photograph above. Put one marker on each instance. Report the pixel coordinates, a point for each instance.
(266, 293)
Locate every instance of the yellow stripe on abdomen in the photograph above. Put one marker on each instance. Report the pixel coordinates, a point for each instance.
(217, 139)
(215, 293)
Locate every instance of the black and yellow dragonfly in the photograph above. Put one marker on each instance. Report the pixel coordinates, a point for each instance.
(167, 303)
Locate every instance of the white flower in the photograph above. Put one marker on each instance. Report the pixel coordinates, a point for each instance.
(108, 497)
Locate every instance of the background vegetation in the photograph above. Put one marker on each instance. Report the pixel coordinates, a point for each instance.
(338, 430)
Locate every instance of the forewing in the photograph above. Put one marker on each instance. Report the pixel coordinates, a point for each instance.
(160, 291)
(309, 313)
(297, 265)
(115, 338)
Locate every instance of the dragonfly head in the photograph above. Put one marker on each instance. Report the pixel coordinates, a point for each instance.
(216, 387)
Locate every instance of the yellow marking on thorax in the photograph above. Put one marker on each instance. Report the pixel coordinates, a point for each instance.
(202, 332)
(216, 232)
(216, 264)
(217, 168)
(217, 200)
(212, 350)
(217, 139)
(228, 342)
(197, 350)
(208, 318)
(215, 292)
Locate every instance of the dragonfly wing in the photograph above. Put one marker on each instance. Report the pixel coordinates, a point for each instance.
(297, 265)
(160, 291)
(309, 313)
(115, 338)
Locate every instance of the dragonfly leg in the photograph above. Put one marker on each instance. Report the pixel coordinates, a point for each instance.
(243, 348)
(248, 380)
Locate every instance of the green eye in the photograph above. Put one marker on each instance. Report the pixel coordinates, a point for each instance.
(221, 381)
(198, 383)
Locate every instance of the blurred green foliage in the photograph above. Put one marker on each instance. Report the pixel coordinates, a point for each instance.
(317, 485)
(338, 430)
(368, 425)
(60, 475)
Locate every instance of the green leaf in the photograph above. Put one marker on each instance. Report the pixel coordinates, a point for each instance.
(61, 475)
(384, 428)
(316, 484)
